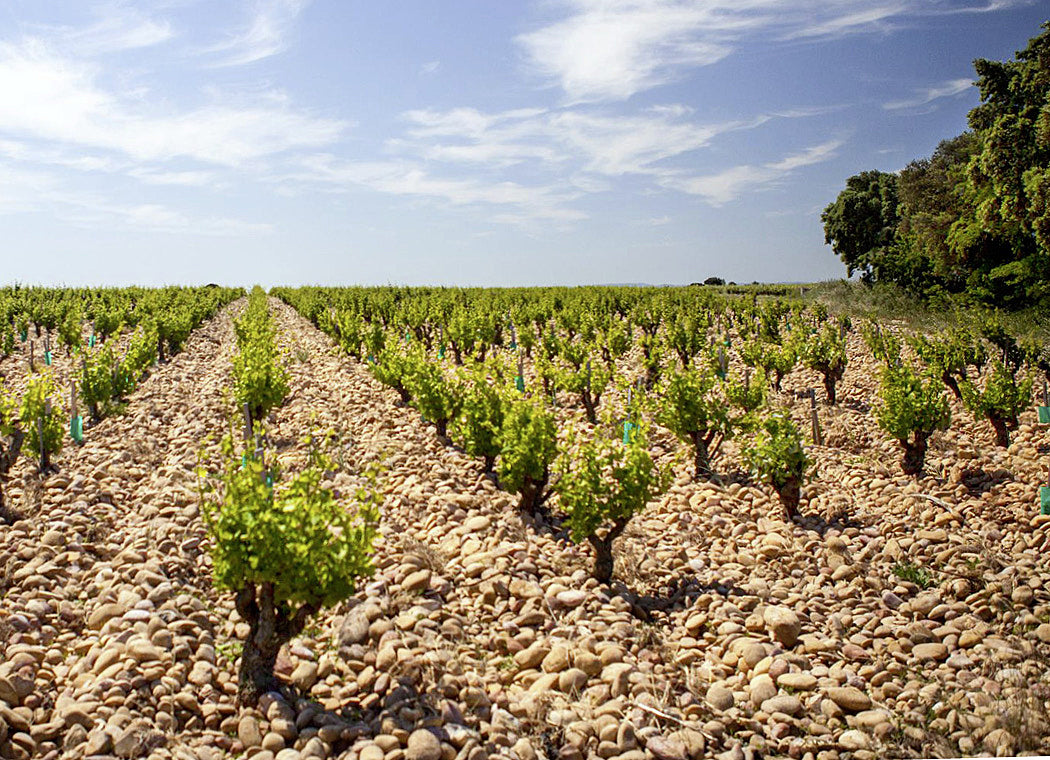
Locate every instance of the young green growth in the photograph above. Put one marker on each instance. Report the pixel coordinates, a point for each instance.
(11, 438)
(41, 419)
(527, 448)
(776, 456)
(394, 369)
(587, 380)
(775, 359)
(98, 376)
(825, 352)
(1000, 401)
(480, 419)
(691, 409)
(948, 356)
(260, 380)
(602, 484)
(910, 410)
(435, 396)
(285, 550)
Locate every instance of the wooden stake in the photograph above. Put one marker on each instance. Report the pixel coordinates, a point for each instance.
(247, 423)
(32, 356)
(818, 439)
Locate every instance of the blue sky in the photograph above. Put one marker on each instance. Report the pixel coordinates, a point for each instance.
(465, 142)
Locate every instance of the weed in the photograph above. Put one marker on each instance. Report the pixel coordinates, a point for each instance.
(230, 650)
(912, 573)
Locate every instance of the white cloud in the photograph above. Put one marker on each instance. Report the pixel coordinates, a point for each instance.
(928, 95)
(24, 190)
(611, 49)
(410, 179)
(607, 143)
(266, 34)
(48, 97)
(599, 50)
(728, 185)
(429, 67)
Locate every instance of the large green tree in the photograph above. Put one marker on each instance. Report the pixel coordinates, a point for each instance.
(932, 193)
(973, 217)
(861, 224)
(1007, 231)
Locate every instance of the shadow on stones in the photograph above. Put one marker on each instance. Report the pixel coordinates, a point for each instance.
(821, 524)
(679, 594)
(979, 481)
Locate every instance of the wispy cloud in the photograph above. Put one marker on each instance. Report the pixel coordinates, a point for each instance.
(119, 27)
(266, 34)
(24, 190)
(410, 179)
(602, 50)
(928, 95)
(727, 185)
(429, 67)
(608, 143)
(59, 99)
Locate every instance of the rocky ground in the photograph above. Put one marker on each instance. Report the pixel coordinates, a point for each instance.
(729, 632)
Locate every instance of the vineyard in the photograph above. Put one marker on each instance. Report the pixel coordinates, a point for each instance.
(453, 524)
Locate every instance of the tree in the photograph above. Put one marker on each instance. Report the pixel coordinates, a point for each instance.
(1009, 176)
(41, 420)
(527, 447)
(826, 353)
(602, 485)
(480, 419)
(932, 197)
(1000, 400)
(911, 408)
(11, 438)
(776, 456)
(286, 550)
(692, 410)
(861, 224)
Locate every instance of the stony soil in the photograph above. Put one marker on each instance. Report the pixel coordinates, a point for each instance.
(729, 632)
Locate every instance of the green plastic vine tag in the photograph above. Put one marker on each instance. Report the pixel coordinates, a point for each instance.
(629, 431)
(47, 358)
(76, 428)
(1044, 414)
(441, 352)
(519, 383)
(24, 335)
(91, 341)
(1044, 500)
(513, 345)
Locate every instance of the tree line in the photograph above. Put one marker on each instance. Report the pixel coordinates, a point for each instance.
(974, 217)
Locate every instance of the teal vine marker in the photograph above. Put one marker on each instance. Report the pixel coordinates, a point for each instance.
(441, 351)
(519, 383)
(1044, 500)
(76, 428)
(47, 358)
(91, 341)
(24, 334)
(630, 429)
(1044, 414)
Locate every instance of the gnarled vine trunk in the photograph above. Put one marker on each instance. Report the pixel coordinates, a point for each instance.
(271, 625)
(790, 492)
(532, 494)
(1002, 430)
(831, 378)
(603, 556)
(914, 453)
(8, 457)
